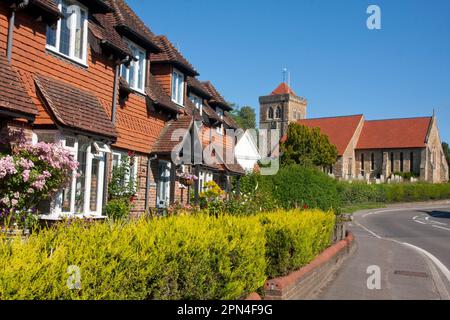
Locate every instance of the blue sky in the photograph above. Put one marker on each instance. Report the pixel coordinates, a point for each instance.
(341, 67)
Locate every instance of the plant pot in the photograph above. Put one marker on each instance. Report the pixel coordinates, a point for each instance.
(186, 182)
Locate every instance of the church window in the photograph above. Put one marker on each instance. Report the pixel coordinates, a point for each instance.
(411, 162)
(401, 162)
(372, 161)
(270, 113)
(278, 113)
(362, 163)
(392, 162)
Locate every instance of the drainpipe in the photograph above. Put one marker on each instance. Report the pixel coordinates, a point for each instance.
(147, 187)
(113, 120)
(11, 26)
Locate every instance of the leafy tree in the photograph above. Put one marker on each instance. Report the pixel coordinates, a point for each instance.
(245, 117)
(307, 146)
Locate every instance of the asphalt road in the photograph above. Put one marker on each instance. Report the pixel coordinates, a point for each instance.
(408, 245)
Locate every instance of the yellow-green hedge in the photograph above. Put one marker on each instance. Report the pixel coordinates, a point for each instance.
(183, 257)
(294, 238)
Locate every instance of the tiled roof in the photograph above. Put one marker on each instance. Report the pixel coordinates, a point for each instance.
(229, 121)
(171, 55)
(394, 133)
(283, 88)
(126, 19)
(13, 96)
(158, 96)
(49, 6)
(164, 144)
(75, 108)
(216, 96)
(210, 112)
(339, 130)
(197, 87)
(102, 28)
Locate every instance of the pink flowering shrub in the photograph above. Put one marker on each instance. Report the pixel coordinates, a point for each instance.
(29, 174)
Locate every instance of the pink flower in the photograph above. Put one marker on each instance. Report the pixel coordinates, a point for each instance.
(31, 190)
(26, 175)
(14, 202)
(7, 166)
(17, 195)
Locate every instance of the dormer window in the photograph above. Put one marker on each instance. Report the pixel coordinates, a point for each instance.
(178, 87)
(69, 39)
(197, 101)
(135, 74)
(220, 113)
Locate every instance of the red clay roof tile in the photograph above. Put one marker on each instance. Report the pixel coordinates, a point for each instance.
(283, 88)
(394, 133)
(339, 130)
(126, 19)
(13, 96)
(171, 55)
(216, 96)
(165, 144)
(75, 108)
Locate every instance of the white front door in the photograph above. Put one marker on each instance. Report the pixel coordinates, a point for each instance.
(163, 194)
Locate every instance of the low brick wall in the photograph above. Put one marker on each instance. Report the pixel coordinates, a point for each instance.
(307, 281)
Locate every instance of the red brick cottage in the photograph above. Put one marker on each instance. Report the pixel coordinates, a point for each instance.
(92, 76)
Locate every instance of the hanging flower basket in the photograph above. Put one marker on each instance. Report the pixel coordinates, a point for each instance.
(188, 179)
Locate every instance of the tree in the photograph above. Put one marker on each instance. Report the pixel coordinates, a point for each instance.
(245, 117)
(307, 146)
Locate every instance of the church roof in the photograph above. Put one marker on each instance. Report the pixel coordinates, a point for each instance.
(394, 133)
(339, 130)
(283, 88)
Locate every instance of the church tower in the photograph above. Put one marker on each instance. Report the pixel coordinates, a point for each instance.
(280, 108)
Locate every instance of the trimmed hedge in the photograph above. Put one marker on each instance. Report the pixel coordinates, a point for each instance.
(356, 193)
(293, 242)
(182, 257)
(297, 186)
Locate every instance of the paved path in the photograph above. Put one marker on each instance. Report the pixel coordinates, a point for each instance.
(409, 243)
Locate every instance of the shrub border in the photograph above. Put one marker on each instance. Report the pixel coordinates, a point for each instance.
(301, 284)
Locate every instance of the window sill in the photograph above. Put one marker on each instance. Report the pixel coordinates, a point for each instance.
(58, 54)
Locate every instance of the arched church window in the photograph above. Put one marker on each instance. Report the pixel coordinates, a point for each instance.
(270, 113)
(278, 113)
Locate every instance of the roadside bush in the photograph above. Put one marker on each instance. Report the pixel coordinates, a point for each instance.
(299, 186)
(179, 257)
(359, 193)
(189, 257)
(295, 238)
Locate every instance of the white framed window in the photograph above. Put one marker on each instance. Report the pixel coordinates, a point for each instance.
(220, 113)
(204, 177)
(197, 101)
(135, 74)
(131, 176)
(177, 87)
(69, 39)
(84, 194)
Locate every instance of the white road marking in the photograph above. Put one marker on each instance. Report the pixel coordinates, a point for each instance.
(440, 223)
(435, 260)
(419, 222)
(441, 227)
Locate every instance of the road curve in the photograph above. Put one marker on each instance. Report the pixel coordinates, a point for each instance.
(410, 244)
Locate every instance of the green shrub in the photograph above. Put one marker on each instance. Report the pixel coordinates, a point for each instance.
(357, 193)
(117, 209)
(180, 257)
(297, 186)
(295, 238)
(189, 257)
